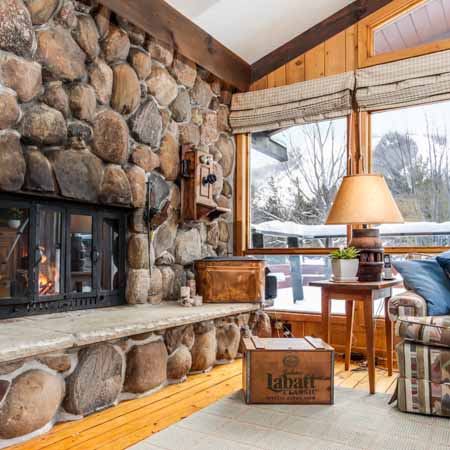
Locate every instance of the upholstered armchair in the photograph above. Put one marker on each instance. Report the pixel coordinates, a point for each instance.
(423, 356)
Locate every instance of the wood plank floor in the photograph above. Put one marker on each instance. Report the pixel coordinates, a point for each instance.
(132, 421)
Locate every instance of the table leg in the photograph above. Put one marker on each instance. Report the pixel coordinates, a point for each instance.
(349, 317)
(370, 341)
(326, 330)
(389, 336)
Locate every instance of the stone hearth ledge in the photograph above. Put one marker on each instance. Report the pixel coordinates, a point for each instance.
(31, 336)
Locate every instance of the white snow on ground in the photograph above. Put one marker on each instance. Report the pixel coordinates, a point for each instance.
(312, 302)
(310, 231)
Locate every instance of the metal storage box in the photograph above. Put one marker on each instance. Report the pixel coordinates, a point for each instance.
(231, 280)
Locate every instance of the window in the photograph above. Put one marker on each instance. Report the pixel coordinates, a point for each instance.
(403, 29)
(295, 174)
(294, 274)
(427, 22)
(411, 148)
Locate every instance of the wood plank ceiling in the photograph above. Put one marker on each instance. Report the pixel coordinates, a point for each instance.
(161, 20)
(426, 23)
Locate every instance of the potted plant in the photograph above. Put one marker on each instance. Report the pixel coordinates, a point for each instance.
(15, 218)
(344, 264)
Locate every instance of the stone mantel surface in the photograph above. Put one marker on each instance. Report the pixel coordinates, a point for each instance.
(31, 336)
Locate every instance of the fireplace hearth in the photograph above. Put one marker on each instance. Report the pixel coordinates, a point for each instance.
(59, 256)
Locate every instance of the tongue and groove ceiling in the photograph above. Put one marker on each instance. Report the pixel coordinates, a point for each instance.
(240, 41)
(254, 28)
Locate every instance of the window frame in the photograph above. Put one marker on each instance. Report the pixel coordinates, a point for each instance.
(242, 219)
(396, 250)
(368, 26)
(359, 161)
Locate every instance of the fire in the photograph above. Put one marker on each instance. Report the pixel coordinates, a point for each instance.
(43, 280)
(43, 255)
(45, 285)
(48, 275)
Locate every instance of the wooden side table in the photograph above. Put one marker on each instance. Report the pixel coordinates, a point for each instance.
(366, 292)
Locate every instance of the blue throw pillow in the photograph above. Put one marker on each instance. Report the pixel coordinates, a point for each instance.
(426, 278)
(444, 261)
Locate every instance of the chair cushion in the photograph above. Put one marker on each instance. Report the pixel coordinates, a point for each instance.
(426, 278)
(423, 397)
(423, 362)
(444, 261)
(427, 330)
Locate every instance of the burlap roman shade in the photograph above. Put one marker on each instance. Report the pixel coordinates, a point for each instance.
(299, 103)
(409, 82)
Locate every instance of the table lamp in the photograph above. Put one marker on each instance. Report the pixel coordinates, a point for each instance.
(364, 200)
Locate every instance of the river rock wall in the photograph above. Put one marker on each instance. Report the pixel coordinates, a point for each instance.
(90, 106)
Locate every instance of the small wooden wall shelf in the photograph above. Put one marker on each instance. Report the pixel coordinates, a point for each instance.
(197, 185)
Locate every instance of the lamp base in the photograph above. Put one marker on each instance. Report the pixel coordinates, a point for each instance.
(371, 253)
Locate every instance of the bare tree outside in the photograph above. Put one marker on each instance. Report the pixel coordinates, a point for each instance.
(410, 147)
(416, 167)
(302, 189)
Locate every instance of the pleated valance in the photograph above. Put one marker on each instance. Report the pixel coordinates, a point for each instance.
(299, 103)
(409, 82)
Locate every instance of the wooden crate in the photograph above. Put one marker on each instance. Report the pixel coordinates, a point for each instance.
(231, 279)
(293, 371)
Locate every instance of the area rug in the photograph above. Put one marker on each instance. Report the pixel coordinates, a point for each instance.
(357, 420)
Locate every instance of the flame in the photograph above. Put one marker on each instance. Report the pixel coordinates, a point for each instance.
(43, 255)
(43, 280)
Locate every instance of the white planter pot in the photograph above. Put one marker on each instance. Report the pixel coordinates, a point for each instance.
(344, 268)
(14, 224)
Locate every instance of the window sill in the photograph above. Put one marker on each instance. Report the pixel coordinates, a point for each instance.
(31, 336)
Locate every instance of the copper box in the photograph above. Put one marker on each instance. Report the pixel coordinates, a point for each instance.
(292, 371)
(231, 280)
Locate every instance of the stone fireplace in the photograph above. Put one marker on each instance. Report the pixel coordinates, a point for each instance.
(92, 107)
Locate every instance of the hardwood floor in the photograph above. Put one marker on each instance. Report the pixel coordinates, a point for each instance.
(132, 421)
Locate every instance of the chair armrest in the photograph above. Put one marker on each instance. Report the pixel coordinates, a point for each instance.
(408, 304)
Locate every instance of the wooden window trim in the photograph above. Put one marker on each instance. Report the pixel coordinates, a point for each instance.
(370, 24)
(359, 161)
(242, 195)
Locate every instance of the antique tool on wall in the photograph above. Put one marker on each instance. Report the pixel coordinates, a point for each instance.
(198, 185)
(156, 207)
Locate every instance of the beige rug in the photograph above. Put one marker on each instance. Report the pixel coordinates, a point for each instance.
(357, 420)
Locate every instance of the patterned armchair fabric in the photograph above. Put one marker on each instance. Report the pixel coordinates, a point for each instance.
(407, 304)
(424, 383)
(423, 356)
(426, 330)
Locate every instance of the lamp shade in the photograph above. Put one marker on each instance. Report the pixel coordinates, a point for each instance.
(364, 199)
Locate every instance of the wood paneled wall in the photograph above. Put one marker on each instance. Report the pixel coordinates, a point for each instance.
(334, 56)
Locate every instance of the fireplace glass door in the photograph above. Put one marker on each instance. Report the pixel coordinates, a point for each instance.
(81, 253)
(59, 256)
(14, 251)
(48, 251)
(109, 241)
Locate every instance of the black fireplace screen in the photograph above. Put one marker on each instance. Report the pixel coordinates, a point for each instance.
(59, 256)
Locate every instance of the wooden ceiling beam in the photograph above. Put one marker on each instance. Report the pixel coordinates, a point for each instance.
(164, 22)
(319, 33)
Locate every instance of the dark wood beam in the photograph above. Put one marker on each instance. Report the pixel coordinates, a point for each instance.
(319, 33)
(162, 21)
(262, 143)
